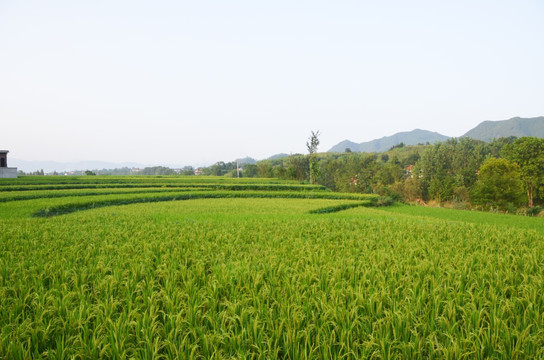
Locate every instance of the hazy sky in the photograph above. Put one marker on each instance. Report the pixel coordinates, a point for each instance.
(193, 82)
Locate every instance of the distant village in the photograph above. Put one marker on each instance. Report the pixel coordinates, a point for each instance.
(158, 170)
(220, 169)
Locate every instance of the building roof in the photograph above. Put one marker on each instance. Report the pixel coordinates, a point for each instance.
(4, 151)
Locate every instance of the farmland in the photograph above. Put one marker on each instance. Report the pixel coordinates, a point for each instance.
(200, 268)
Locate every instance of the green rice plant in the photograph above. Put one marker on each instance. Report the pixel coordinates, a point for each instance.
(49, 194)
(97, 202)
(264, 274)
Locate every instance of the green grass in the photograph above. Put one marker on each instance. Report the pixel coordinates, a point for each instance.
(471, 217)
(266, 277)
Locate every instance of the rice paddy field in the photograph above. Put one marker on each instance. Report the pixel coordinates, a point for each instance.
(217, 268)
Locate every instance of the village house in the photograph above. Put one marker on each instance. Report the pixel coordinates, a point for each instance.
(5, 171)
(409, 170)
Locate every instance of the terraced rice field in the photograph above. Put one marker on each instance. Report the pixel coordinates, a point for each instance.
(217, 268)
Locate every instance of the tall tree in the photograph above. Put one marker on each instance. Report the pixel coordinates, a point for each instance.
(450, 167)
(312, 145)
(528, 153)
(297, 167)
(264, 169)
(499, 185)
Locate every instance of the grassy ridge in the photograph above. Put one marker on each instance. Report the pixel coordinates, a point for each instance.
(94, 192)
(109, 180)
(50, 194)
(266, 186)
(98, 202)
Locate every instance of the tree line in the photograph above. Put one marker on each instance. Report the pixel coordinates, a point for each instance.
(506, 174)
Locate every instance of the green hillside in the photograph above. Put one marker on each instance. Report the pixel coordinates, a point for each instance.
(518, 127)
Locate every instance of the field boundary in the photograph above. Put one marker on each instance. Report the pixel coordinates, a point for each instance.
(368, 200)
(341, 207)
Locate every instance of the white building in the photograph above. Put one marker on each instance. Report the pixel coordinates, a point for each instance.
(5, 171)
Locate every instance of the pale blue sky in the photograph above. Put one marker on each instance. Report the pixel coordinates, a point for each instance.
(193, 82)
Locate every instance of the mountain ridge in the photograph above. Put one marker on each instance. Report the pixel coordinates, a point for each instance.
(516, 126)
(413, 137)
(487, 130)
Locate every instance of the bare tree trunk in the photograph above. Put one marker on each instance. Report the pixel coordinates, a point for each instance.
(530, 194)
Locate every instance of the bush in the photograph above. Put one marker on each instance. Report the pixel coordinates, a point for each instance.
(385, 201)
(531, 211)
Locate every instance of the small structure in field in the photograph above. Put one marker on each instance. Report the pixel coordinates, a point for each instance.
(5, 171)
(409, 170)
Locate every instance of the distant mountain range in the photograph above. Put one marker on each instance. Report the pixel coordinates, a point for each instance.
(485, 131)
(413, 137)
(518, 127)
(278, 156)
(252, 161)
(50, 166)
(246, 160)
(61, 167)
